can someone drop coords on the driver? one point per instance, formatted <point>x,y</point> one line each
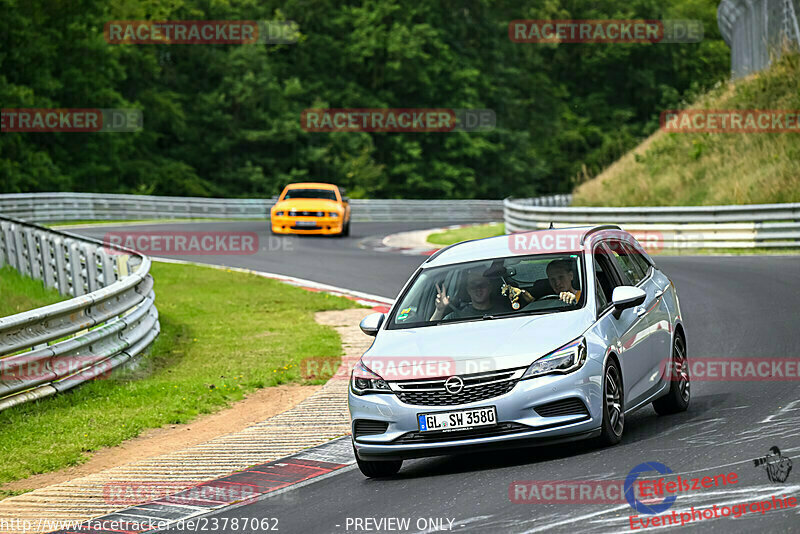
<point>560,275</point>
<point>479,290</point>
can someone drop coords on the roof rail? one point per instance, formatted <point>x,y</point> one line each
<point>438,252</point>
<point>599,228</point>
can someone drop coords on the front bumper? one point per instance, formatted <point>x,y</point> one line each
<point>515,410</point>
<point>322,225</point>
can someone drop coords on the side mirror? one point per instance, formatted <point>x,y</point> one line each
<point>346,199</point>
<point>372,323</point>
<point>625,297</point>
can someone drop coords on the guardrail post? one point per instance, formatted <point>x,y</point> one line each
<point>75,269</point>
<point>92,275</point>
<point>48,248</point>
<point>19,253</point>
<point>62,265</point>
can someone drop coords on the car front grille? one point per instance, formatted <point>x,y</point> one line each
<point>368,427</point>
<point>477,387</point>
<point>437,436</point>
<point>307,213</point>
<point>558,408</point>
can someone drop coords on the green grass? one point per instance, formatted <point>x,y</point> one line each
<point>19,293</point>
<point>673,169</point>
<point>223,334</point>
<point>468,232</point>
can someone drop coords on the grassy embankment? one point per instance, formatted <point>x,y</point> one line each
<point>672,169</point>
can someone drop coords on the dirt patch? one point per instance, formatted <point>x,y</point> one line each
<point>258,406</point>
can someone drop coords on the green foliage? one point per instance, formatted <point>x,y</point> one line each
<point>224,120</point>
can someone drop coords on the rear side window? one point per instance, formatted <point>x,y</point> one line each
<point>631,271</point>
<point>638,258</point>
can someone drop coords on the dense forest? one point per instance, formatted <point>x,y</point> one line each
<point>224,120</point>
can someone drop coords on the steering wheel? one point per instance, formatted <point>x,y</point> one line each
<point>548,297</point>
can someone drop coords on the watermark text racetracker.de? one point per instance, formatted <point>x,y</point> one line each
<point>396,367</point>
<point>605,31</point>
<point>734,369</point>
<point>652,241</point>
<point>397,120</point>
<point>610,491</point>
<point>193,243</point>
<point>33,367</point>
<point>87,120</point>
<point>201,32</point>
<point>128,493</point>
<point>731,121</point>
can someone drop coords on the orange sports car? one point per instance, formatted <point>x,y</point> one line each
<point>311,208</point>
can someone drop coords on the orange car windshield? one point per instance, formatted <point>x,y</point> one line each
<point>325,194</point>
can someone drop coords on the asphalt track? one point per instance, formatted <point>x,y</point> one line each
<point>739,306</point>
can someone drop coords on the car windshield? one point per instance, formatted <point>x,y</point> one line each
<point>492,289</point>
<point>325,194</point>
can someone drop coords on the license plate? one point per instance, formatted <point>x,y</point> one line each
<point>459,420</point>
<point>305,223</point>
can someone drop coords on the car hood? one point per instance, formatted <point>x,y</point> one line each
<point>308,204</point>
<point>475,346</point>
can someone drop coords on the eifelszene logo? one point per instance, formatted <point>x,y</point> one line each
<point>777,466</point>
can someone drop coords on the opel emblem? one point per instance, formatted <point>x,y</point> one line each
<point>454,384</point>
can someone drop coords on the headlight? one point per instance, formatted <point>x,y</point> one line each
<point>320,213</point>
<point>279,213</point>
<point>362,381</point>
<point>333,214</point>
<point>567,359</point>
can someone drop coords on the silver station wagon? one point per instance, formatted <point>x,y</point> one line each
<point>526,339</point>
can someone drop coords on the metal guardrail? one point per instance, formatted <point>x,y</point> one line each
<point>756,30</point>
<point>740,226</point>
<point>50,207</point>
<point>110,319</point>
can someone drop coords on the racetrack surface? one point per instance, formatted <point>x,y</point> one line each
<point>350,262</point>
<point>739,306</point>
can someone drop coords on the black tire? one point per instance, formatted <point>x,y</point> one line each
<point>613,406</point>
<point>677,400</point>
<point>378,469</point>
<point>346,229</point>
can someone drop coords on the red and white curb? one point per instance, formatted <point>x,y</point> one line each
<point>184,508</point>
<point>416,242</point>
